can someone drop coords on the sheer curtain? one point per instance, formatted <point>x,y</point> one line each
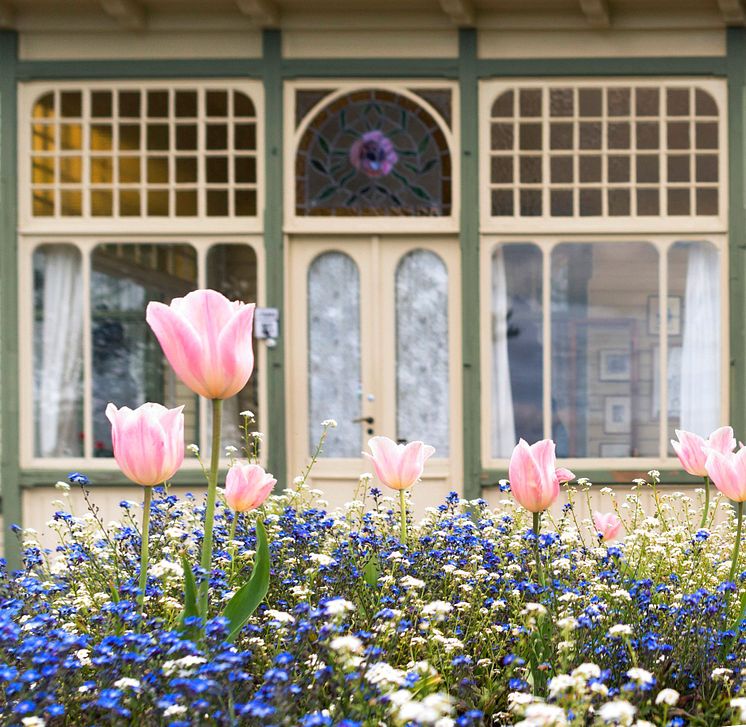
<point>503,420</point>
<point>59,391</point>
<point>700,356</point>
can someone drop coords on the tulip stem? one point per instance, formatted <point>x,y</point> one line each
<point>707,502</point>
<point>737,544</point>
<point>144,550</point>
<point>212,486</point>
<point>403,514</point>
<point>537,554</point>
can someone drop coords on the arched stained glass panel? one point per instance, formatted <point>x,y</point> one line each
<point>373,153</point>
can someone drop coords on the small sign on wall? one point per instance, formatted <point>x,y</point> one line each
<point>267,323</point>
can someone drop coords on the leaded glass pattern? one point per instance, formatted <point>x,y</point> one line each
<point>373,152</point>
<point>422,377</point>
<point>612,150</point>
<point>334,360</point>
<point>128,152</point>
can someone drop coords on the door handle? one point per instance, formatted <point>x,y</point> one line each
<point>367,420</point>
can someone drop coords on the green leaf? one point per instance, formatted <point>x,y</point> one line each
<point>327,192</point>
<point>322,143</point>
<point>370,572</point>
<point>316,164</point>
<point>246,600</point>
<point>190,594</point>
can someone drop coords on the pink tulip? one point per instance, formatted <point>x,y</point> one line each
<point>728,473</point>
<point>207,341</point>
<point>534,480</point>
<point>398,466</point>
<point>607,525</point>
<point>247,486</point>
<point>148,442</point>
<point>691,448</point>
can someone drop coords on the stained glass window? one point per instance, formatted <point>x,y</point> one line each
<point>373,152</point>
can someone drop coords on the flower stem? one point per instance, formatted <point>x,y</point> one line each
<point>737,544</point>
<point>403,514</point>
<point>212,485</point>
<point>231,538</point>
<point>707,503</point>
<point>144,551</point>
<point>537,555</point>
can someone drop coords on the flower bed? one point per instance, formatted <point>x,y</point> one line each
<point>241,609</point>
<point>443,629</point>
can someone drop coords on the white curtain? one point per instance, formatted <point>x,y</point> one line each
<point>700,356</point>
<point>503,422</point>
<point>61,354</point>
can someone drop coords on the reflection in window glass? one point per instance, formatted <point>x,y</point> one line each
<point>516,347</point>
<point>694,353</point>
<point>128,365</point>
<point>58,352</point>
<point>604,339</point>
<point>422,350</point>
<point>334,376</point>
<point>232,270</point>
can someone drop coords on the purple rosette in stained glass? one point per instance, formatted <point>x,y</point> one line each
<point>373,154</point>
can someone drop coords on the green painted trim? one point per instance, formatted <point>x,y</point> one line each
<point>736,49</point>
<point>136,69</point>
<point>656,66</point>
<point>371,67</point>
<point>470,261</point>
<point>275,253</point>
<point>9,465</point>
<point>600,477</point>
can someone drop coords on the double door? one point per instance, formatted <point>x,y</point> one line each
<point>374,344</point>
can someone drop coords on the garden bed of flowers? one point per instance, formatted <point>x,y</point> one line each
<point>240,608</point>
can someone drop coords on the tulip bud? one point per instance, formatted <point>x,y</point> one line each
<point>534,479</point>
<point>148,442</point>
<point>691,449</point>
<point>607,525</point>
<point>247,486</point>
<point>207,340</point>
<point>398,466</point>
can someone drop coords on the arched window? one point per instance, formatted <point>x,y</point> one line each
<point>374,152</point>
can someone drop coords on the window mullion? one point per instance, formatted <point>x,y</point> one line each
<point>546,300</point>
<point>663,347</point>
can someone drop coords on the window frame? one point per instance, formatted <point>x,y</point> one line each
<point>29,92</point>
<point>86,245</point>
<point>294,224</point>
<point>490,89</point>
<point>546,243</point>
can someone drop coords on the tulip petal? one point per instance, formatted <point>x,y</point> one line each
<point>181,345</point>
<point>235,354</point>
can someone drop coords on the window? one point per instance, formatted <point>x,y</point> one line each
<point>603,266</point>
<point>111,168</point>
<point>140,151</point>
<point>582,360</point>
<point>91,344</point>
<point>644,153</point>
<point>360,151</point>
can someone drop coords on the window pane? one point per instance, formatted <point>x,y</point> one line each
<point>603,349</point>
<point>334,383</point>
<point>517,386</point>
<point>58,352</point>
<point>232,270</point>
<point>422,410</point>
<point>694,338</point>
<point>128,365</point>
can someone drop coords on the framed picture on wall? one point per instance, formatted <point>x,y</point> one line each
<point>674,315</point>
<point>617,414</point>
<point>615,364</point>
